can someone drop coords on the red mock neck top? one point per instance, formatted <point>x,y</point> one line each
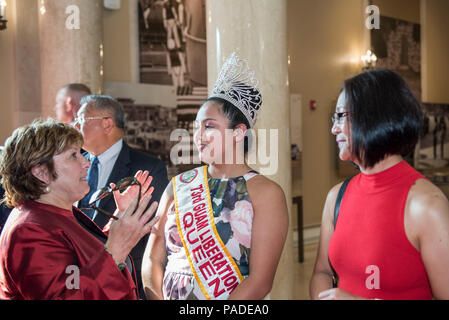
<point>369,249</point>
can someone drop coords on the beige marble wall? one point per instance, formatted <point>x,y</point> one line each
<point>7,74</point>
<point>27,66</point>
<point>407,10</point>
<point>435,51</point>
<point>70,55</point>
<point>121,43</point>
<point>257,31</point>
<point>326,40</point>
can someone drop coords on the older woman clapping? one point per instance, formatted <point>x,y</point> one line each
<point>50,249</point>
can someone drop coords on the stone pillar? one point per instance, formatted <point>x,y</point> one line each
<point>71,33</point>
<point>27,65</point>
<point>257,31</point>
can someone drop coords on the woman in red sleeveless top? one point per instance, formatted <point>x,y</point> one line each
<point>391,240</point>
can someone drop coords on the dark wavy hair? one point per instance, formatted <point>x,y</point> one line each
<point>386,117</point>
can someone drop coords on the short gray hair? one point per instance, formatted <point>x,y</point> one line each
<point>108,104</point>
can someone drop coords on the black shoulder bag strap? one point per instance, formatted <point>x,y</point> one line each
<point>340,195</point>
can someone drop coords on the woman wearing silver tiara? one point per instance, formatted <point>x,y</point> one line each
<point>223,226</point>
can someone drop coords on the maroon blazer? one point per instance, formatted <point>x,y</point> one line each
<point>43,249</point>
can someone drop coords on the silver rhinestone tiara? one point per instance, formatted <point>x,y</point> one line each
<point>236,84</point>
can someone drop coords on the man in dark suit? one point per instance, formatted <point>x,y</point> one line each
<point>101,120</point>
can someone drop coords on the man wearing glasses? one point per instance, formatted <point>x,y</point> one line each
<point>101,120</point>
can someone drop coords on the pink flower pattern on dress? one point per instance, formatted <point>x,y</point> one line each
<point>241,220</point>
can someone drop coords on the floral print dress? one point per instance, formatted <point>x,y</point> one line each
<point>233,216</point>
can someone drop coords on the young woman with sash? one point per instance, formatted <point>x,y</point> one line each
<point>223,225</point>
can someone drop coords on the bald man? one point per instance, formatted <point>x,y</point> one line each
<point>68,101</point>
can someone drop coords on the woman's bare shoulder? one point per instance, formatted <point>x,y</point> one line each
<point>169,190</point>
<point>333,192</point>
<point>425,193</point>
<point>264,188</point>
<point>167,197</point>
<point>329,205</point>
<point>426,202</point>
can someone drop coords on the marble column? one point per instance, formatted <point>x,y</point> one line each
<point>27,66</point>
<point>71,33</point>
<point>257,31</point>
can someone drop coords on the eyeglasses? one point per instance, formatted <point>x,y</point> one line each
<point>106,191</point>
<point>82,120</point>
<point>338,117</point>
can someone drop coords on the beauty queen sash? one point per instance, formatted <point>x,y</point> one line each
<point>213,267</point>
